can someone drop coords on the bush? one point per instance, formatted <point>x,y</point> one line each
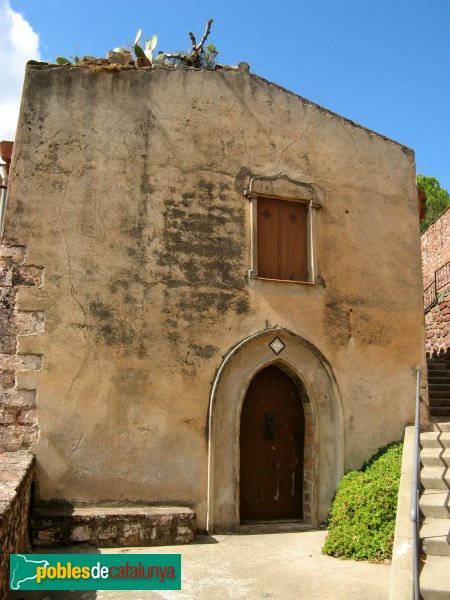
<point>362,518</point>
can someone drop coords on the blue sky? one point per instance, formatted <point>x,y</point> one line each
<point>384,64</point>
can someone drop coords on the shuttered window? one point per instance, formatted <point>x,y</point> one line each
<point>282,239</point>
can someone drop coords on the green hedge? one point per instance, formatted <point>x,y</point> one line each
<point>362,518</point>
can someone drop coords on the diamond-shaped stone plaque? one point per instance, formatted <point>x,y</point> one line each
<point>277,345</point>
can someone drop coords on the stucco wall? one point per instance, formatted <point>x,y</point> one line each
<point>127,188</point>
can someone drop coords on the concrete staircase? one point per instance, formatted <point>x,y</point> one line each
<point>435,506</point>
<point>439,387</point>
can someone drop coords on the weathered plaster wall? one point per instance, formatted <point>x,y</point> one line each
<point>127,187</point>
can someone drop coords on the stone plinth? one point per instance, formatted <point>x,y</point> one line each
<point>113,526</point>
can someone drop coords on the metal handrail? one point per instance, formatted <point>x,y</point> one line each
<point>429,296</point>
<point>442,276</point>
<point>440,280</point>
<point>415,491</point>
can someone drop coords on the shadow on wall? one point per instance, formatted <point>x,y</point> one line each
<point>442,355</point>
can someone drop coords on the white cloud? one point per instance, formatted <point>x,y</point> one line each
<point>18,44</point>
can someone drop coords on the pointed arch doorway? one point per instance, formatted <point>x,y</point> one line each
<point>272,432</point>
<point>323,464</point>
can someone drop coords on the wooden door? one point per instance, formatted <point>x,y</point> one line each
<point>271,449</point>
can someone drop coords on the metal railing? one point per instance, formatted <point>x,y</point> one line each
<point>441,280</point>
<point>415,492</point>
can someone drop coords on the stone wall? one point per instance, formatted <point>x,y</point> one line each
<point>16,476</point>
<point>437,329</point>
<point>18,366</point>
<point>435,241</point>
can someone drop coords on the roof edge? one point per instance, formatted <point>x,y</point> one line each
<point>406,149</point>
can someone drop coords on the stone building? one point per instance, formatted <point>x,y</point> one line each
<point>212,291</point>
<point>435,242</point>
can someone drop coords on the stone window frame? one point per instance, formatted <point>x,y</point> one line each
<point>283,187</point>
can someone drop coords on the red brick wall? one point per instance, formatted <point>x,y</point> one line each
<point>435,246</point>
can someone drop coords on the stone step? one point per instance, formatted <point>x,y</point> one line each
<point>438,372</point>
<point>439,394</point>
<point>433,367</point>
<point>435,536</point>
<point>113,526</point>
<point>439,387</point>
<point>435,402</point>
<point>435,478</point>
<point>436,375</point>
<point>442,424</point>
<point>439,398</point>
<point>440,411</point>
<point>438,379</point>
<point>445,396</point>
<point>435,439</point>
<point>439,403</point>
<point>435,578</point>
<point>435,457</point>
<point>436,362</point>
<point>435,504</point>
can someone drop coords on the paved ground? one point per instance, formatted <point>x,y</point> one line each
<point>281,566</point>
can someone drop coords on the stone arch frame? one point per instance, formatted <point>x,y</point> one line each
<point>304,363</point>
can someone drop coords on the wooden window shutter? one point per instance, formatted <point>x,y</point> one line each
<point>292,244</point>
<point>282,241</point>
<point>267,235</point>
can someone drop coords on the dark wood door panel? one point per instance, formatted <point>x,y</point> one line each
<point>271,449</point>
